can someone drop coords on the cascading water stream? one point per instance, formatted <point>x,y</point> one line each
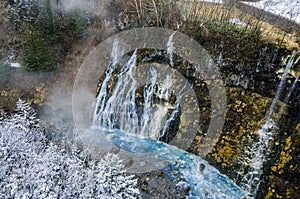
<point>117,51</point>
<point>171,118</point>
<point>290,91</point>
<point>260,150</point>
<point>148,100</point>
<point>170,49</point>
<point>281,86</point>
<point>119,109</point>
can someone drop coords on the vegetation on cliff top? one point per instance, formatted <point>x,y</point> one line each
<point>47,33</point>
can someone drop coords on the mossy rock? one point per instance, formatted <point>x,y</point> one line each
<point>245,114</point>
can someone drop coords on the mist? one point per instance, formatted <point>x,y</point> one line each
<point>70,5</point>
<point>58,111</point>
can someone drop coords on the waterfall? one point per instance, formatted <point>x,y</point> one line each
<point>260,150</point>
<point>148,101</point>
<point>171,118</point>
<point>281,86</point>
<point>170,49</point>
<point>135,108</point>
<point>118,108</point>
<point>117,50</point>
<point>290,91</point>
<point>173,115</point>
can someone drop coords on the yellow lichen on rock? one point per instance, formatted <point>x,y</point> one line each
<point>225,154</point>
<point>270,193</point>
<point>274,168</point>
<point>284,158</point>
<point>298,128</point>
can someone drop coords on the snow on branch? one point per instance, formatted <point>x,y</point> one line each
<point>33,167</point>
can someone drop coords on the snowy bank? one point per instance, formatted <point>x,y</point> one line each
<point>285,8</point>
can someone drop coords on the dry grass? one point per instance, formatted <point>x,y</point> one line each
<point>170,13</point>
<point>197,11</point>
<point>160,13</point>
<point>272,34</point>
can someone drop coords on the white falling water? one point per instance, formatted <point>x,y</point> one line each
<point>220,58</point>
<point>160,109</point>
<point>148,102</point>
<point>281,85</point>
<point>171,118</point>
<point>260,151</point>
<point>170,49</point>
<point>118,109</point>
<point>290,91</point>
<point>117,51</point>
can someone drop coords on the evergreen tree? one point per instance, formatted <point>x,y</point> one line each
<point>37,52</point>
<point>24,112</point>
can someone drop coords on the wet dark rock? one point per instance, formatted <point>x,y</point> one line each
<point>157,185</point>
<point>201,167</point>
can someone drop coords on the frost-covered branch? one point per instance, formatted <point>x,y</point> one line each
<point>33,167</point>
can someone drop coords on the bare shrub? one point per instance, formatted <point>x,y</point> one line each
<point>159,13</point>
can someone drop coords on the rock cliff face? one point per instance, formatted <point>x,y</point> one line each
<point>246,113</point>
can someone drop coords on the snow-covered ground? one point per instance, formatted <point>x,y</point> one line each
<point>289,9</point>
<point>213,1</point>
<point>15,65</point>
